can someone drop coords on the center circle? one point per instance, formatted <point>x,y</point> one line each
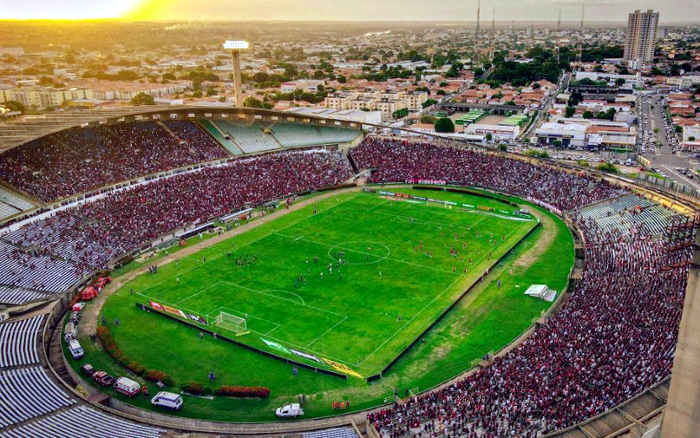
<point>360,252</point>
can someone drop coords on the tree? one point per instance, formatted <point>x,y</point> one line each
<point>444,124</point>
<point>252,102</point>
<point>503,147</point>
<point>587,115</point>
<point>13,105</point>
<point>143,99</point>
<point>570,110</point>
<point>557,143</point>
<point>427,118</point>
<point>678,129</point>
<point>429,102</point>
<point>489,136</point>
<point>619,82</point>
<point>575,98</point>
<point>607,167</point>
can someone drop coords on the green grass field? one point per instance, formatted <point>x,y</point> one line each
<point>403,264</point>
<point>354,283</point>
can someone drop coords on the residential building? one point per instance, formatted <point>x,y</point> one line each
<point>640,38</point>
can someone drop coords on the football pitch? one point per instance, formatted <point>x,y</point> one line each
<point>346,284</point>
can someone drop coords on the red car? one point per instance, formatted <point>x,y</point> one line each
<point>103,378</point>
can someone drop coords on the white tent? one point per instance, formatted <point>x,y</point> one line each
<point>541,291</point>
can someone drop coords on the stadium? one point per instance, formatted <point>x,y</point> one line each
<point>287,275</point>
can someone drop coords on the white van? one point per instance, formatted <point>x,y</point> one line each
<point>75,349</point>
<point>69,332</point>
<point>291,410</point>
<point>127,386</point>
<point>168,400</point>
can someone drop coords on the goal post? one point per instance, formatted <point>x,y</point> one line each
<point>230,322</point>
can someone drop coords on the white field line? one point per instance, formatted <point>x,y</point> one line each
<point>263,292</point>
<point>217,254</point>
<point>196,293</point>
<point>410,320</point>
<point>240,314</point>
<point>397,260</point>
<point>429,303</point>
<point>327,330</point>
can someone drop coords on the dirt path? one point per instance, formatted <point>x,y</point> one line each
<point>541,245</point>
<point>88,324</point>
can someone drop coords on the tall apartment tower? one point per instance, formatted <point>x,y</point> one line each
<point>641,35</point>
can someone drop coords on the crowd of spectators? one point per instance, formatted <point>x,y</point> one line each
<point>614,337</point>
<point>78,160</point>
<point>95,233</point>
<point>395,160</point>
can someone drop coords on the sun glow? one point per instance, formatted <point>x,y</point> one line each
<point>66,9</point>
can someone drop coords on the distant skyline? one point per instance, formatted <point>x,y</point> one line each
<point>357,10</point>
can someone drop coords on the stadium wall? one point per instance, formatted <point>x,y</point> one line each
<point>682,415</point>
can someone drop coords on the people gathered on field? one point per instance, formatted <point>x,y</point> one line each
<point>94,233</point>
<point>612,338</point>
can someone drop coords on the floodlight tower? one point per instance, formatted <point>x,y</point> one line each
<point>235,47</point>
<point>478,16</point>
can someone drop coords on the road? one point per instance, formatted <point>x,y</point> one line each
<point>664,159</point>
<point>544,107</point>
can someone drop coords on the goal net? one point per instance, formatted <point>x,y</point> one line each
<point>231,322</point>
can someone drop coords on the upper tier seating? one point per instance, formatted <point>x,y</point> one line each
<point>18,341</point>
<point>249,137</point>
<point>82,422</point>
<point>78,160</point>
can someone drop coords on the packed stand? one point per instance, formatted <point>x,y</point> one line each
<point>78,160</point>
<point>402,161</point>
<point>613,338</point>
<point>91,235</point>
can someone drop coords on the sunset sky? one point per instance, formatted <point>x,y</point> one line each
<point>389,10</point>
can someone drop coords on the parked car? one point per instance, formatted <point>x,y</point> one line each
<point>167,400</point>
<point>127,386</point>
<point>291,410</point>
<point>103,378</point>
<point>76,350</point>
<point>87,369</point>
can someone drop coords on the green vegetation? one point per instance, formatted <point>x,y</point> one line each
<point>444,124</point>
<point>143,99</point>
<point>385,311</point>
<point>252,102</point>
<point>607,167</point>
<point>544,65</point>
<point>400,114</point>
<point>537,153</point>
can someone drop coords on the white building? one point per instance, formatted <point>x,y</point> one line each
<point>691,137</point>
<point>498,132</point>
<point>569,134</point>
<point>306,85</point>
<point>640,37</point>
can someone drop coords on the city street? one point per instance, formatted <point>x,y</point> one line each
<point>664,159</point>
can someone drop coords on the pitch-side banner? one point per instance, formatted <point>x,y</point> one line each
<point>432,182</point>
<point>305,355</point>
<point>276,346</point>
<point>342,368</point>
